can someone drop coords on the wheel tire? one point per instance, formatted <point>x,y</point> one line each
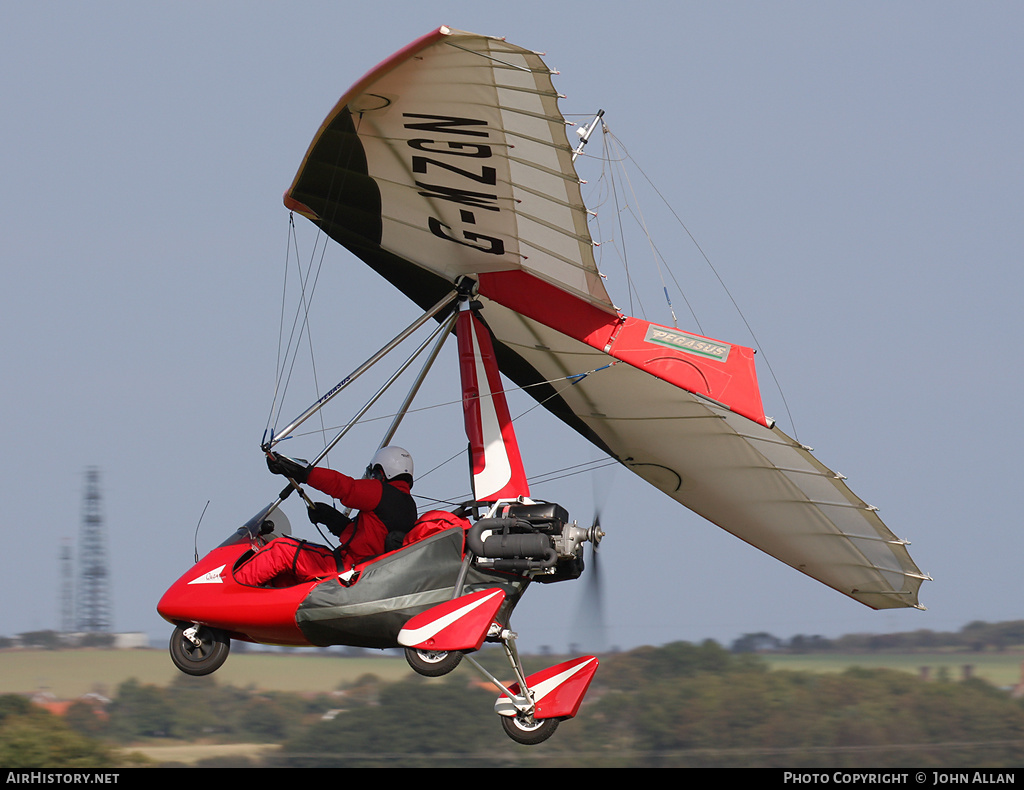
<point>202,659</point>
<point>528,730</point>
<point>432,663</point>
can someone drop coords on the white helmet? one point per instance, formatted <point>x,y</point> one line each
<point>393,461</point>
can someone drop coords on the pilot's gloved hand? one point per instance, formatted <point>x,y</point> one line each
<point>291,468</point>
<point>322,513</point>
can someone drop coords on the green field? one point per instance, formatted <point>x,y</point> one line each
<point>999,669</point>
<point>68,674</point>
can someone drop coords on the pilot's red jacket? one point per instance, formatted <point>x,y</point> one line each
<point>383,507</point>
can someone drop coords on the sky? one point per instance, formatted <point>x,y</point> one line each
<point>853,172</point>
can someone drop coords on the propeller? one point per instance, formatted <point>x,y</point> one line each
<point>589,630</point>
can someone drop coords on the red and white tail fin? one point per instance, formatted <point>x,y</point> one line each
<point>497,465</point>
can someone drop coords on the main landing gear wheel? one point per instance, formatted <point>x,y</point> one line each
<point>432,663</point>
<point>198,650</point>
<point>528,730</point>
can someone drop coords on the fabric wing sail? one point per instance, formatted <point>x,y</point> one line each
<point>451,159</point>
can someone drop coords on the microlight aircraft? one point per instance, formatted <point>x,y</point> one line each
<point>447,170</point>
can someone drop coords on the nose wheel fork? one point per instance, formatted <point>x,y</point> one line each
<point>199,650</point>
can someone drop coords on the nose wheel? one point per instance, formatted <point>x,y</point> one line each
<point>198,650</point>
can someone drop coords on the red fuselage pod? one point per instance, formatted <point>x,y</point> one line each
<point>209,595</point>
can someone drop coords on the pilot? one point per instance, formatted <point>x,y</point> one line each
<point>385,508</point>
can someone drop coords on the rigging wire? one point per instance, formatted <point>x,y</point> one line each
<point>643,225</point>
<point>608,158</point>
<point>280,328</point>
<point>621,158</point>
<point>537,480</point>
<point>340,167</point>
<point>572,378</point>
<point>300,322</point>
<point>630,289</point>
<point>543,478</point>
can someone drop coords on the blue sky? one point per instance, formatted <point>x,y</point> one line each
<point>853,171</point>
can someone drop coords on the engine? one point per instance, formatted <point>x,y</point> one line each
<point>533,538</point>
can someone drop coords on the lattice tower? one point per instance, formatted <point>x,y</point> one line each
<point>93,597</point>
<point>67,587</point>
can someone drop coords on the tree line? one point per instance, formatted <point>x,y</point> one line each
<point>680,705</point>
<point>977,636</point>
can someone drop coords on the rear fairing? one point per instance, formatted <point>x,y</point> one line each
<point>390,590</point>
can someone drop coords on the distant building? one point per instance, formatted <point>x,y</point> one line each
<point>131,640</point>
